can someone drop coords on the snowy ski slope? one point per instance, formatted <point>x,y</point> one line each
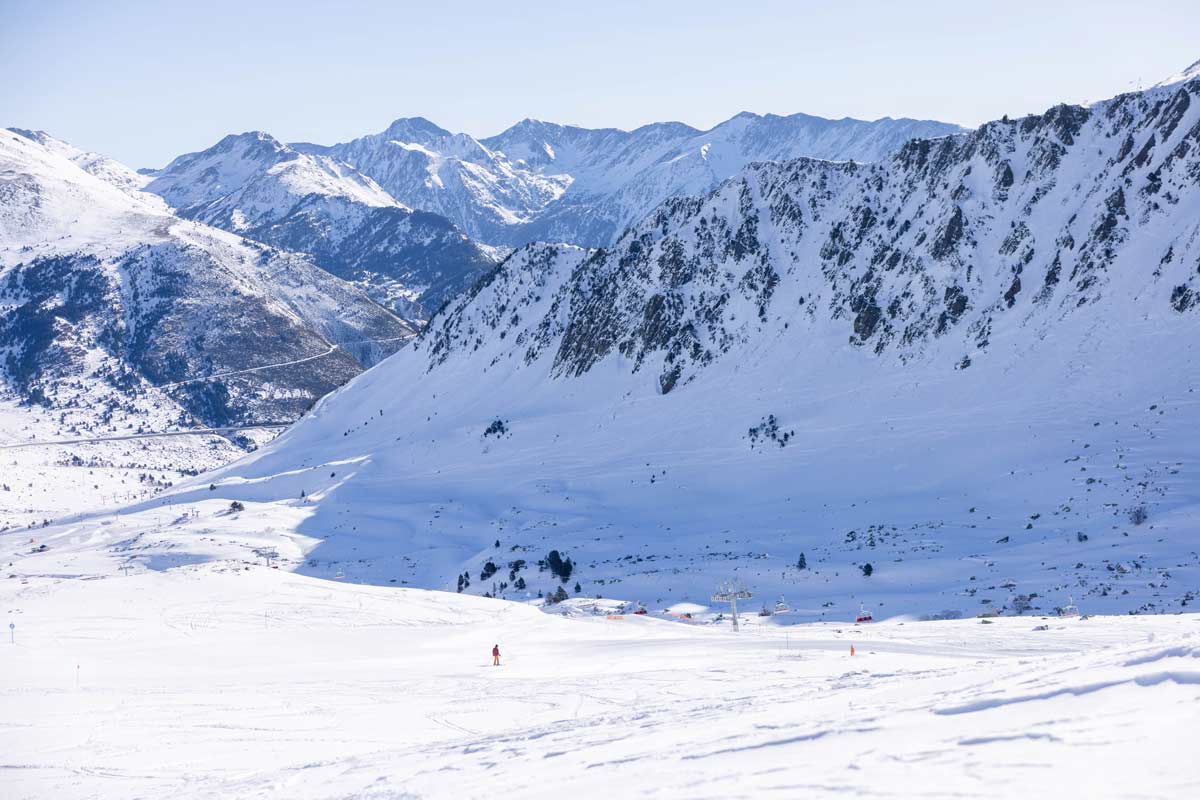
<point>212,682</point>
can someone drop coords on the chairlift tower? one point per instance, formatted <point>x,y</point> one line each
<point>728,593</point>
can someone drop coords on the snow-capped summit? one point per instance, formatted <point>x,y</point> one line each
<point>452,174</point>
<point>249,179</point>
<point>304,201</point>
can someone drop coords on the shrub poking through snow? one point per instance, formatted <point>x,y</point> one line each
<point>768,431</point>
<point>498,428</point>
<point>236,506</point>
<point>867,569</point>
<point>1138,515</point>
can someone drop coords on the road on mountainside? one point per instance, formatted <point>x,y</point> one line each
<point>332,348</point>
<point>251,369</point>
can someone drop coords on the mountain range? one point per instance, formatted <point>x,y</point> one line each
<point>307,241</point>
<point>957,381</point>
<point>351,206</point>
<point>541,181</point>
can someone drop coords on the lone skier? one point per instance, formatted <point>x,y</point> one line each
<point>495,655</point>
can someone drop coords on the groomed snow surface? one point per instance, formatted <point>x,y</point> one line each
<point>220,680</point>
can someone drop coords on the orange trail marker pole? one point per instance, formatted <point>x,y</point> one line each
<point>851,649</point>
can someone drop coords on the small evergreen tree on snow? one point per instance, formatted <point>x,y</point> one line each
<point>867,569</point>
<point>559,566</point>
<point>578,589</point>
<point>802,562</point>
<point>519,585</point>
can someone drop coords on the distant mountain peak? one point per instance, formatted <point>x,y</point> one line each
<point>407,126</point>
<point>252,139</point>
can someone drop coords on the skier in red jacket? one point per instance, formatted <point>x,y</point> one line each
<point>495,655</point>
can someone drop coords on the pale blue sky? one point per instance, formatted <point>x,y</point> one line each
<point>145,81</point>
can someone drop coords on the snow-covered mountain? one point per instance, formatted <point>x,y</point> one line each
<point>105,168</point>
<point>452,174</point>
<point>109,304</point>
<point>960,380</point>
<point>255,186</point>
<point>619,177</point>
<point>549,182</point>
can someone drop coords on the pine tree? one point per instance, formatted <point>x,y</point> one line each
<point>867,569</point>
<point>559,566</point>
<point>802,562</point>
